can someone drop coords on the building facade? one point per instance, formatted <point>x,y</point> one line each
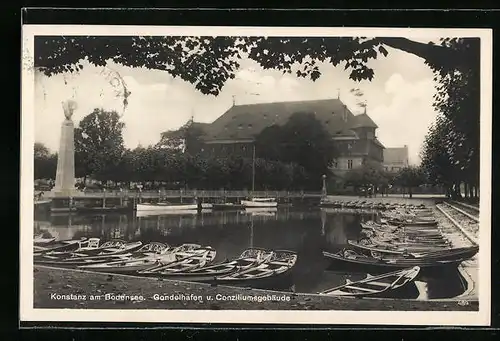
<point>354,135</point>
<point>396,159</point>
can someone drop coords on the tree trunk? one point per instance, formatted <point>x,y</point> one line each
<point>466,190</point>
<point>471,191</point>
<point>410,193</point>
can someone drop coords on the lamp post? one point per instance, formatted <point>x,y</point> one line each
<point>324,186</point>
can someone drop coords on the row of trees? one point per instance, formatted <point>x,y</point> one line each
<point>372,175</point>
<point>292,156</point>
<point>450,155</point>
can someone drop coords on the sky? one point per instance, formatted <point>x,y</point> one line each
<point>399,98</point>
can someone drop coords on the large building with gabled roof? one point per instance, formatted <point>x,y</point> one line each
<point>354,135</point>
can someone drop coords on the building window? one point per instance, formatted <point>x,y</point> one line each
<point>349,164</point>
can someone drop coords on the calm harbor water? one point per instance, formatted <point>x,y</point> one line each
<point>307,232</point>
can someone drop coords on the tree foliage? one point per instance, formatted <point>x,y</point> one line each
<point>99,145</point>
<point>409,178</point>
<point>45,162</point>
<point>370,174</point>
<point>450,154</point>
<point>209,62</point>
<point>301,140</point>
<point>187,138</point>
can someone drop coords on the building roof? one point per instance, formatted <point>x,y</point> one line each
<point>396,155</point>
<point>247,121</point>
<point>362,121</point>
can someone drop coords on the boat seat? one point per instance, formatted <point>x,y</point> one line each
<point>359,288</point>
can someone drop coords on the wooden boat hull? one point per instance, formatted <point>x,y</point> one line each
<point>385,285</point>
<point>127,266</point>
<point>439,254</point>
<point>277,274</point>
<point>43,241</point>
<point>179,207</point>
<point>193,260</point>
<point>146,256</point>
<point>369,264</point>
<point>61,246</point>
<point>413,223</point>
<point>98,255</point>
<point>227,207</point>
<point>250,203</point>
<point>102,209</point>
<point>280,281</point>
<point>249,258</point>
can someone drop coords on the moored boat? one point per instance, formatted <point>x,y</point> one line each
<point>435,254</point>
<point>165,206</point>
<point>226,206</point>
<point>145,256</point>
<point>41,240</point>
<point>274,273</point>
<point>402,246</point>
<point>249,258</point>
<point>375,285</point>
<point>410,222</point>
<point>141,214</point>
<point>347,256</point>
<point>101,253</point>
<point>260,202</point>
<point>184,261</point>
<point>64,245</point>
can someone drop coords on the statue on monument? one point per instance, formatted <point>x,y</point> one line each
<point>69,106</point>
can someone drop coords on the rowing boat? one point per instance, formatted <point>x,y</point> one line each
<point>249,258</point>
<point>65,246</point>
<point>190,260</point>
<point>108,251</point>
<point>347,256</point>
<point>145,257</point>
<point>274,273</point>
<point>226,206</point>
<point>375,285</point>
<point>260,202</point>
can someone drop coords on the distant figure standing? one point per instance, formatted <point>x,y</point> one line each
<point>198,203</point>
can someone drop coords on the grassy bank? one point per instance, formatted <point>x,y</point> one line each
<point>65,288</point>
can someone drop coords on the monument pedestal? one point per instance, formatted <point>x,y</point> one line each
<point>65,174</point>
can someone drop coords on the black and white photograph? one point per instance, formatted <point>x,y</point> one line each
<point>197,174</point>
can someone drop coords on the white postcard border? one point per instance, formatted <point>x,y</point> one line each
<point>430,318</point>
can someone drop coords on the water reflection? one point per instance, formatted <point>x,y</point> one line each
<point>307,232</point>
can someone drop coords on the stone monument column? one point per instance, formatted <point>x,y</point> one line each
<point>65,174</point>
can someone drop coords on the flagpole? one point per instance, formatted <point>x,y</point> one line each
<point>253,170</point>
